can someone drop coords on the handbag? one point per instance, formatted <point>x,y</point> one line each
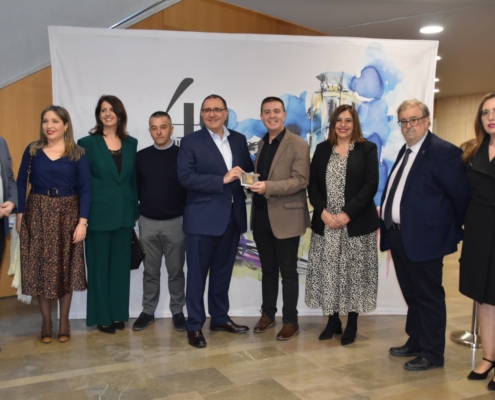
<point>137,251</point>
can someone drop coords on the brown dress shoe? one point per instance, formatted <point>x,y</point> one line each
<point>196,339</point>
<point>288,331</point>
<point>264,324</point>
<point>230,326</point>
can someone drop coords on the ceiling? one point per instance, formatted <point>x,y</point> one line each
<point>467,44</point>
<point>24,45</point>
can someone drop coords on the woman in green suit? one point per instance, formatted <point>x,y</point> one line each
<point>114,208</point>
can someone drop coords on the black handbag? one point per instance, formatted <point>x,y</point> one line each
<point>137,251</point>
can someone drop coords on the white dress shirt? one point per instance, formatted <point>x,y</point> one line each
<point>224,146</point>
<point>400,188</point>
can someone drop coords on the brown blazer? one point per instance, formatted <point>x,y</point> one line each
<point>286,187</point>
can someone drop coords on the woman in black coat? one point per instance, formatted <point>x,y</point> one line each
<point>477,264</point>
<point>342,275</point>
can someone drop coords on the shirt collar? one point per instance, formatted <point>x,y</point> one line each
<point>278,138</point>
<point>164,148</point>
<point>415,147</point>
<point>226,133</point>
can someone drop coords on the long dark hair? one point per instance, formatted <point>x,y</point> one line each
<point>357,133</point>
<point>118,109</point>
<point>472,146</point>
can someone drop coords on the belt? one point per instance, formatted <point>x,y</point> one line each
<point>54,192</point>
<point>395,227</point>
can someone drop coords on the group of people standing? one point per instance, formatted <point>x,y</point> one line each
<point>190,203</point>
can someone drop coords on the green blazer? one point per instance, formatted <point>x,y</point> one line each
<point>114,202</point>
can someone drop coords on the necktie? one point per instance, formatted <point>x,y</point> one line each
<point>388,207</point>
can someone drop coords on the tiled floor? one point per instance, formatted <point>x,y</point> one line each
<point>158,363</point>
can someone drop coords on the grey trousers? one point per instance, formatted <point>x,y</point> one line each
<point>163,238</point>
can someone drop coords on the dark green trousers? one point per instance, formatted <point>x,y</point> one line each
<point>108,259</point>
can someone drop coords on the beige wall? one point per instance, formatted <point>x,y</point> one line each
<point>454,117</point>
<point>22,102</point>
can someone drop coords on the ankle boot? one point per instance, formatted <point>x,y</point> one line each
<point>350,330</point>
<point>334,326</point>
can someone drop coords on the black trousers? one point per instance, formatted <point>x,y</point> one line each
<point>277,255</point>
<point>421,286</point>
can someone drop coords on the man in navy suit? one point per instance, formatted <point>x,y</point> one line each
<point>422,213</point>
<point>210,164</point>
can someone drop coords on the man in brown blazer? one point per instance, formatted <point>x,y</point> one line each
<point>279,215</point>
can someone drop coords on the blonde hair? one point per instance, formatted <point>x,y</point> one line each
<point>72,150</point>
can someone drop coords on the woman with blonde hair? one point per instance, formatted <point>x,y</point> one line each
<point>53,220</point>
<point>477,263</point>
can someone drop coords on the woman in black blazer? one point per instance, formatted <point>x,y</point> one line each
<point>477,269</point>
<point>342,276</point>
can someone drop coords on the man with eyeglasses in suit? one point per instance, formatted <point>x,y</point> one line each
<point>422,213</point>
<point>210,165</point>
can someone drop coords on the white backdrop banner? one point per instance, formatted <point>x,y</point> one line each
<point>175,71</point>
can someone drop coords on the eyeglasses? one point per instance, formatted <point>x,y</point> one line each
<point>413,122</point>
<point>485,114</point>
<point>212,110</point>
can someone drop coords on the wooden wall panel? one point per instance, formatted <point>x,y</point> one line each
<point>20,107</point>
<point>454,117</point>
<point>22,102</point>
<point>217,16</point>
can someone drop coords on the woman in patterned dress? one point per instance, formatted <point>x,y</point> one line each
<point>53,220</point>
<point>342,275</point>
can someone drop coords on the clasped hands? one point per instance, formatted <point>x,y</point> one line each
<point>6,209</point>
<point>335,221</point>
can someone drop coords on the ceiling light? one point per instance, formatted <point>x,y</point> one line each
<point>439,58</point>
<point>436,79</point>
<point>431,29</point>
<point>436,90</point>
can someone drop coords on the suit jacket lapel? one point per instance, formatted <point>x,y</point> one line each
<point>420,157</point>
<point>208,141</point>
<point>235,154</point>
<point>481,160</point>
<point>105,153</point>
<point>126,155</point>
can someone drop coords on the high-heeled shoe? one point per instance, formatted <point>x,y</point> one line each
<point>46,339</point>
<point>334,326</point>
<point>118,325</point>
<point>475,376</point>
<point>350,330</point>
<point>107,329</point>
<point>64,337</point>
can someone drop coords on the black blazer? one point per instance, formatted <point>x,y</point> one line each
<point>361,184</point>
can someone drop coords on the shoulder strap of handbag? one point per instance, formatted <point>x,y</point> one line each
<point>28,175</point>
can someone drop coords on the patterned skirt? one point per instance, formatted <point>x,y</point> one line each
<point>52,266</point>
<point>342,274</point>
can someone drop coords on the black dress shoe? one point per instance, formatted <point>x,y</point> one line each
<point>143,322</point>
<point>420,364</point>
<point>403,351</point>
<point>179,322</point>
<point>196,339</point>
<point>230,326</point>
<point>118,325</point>
<point>107,329</point>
